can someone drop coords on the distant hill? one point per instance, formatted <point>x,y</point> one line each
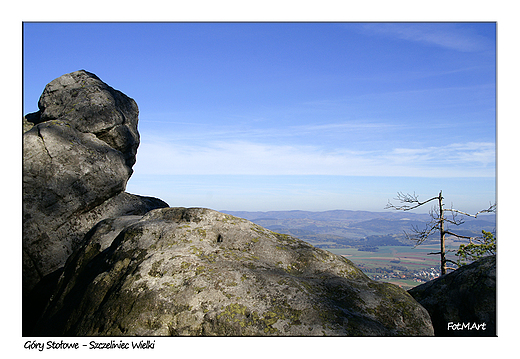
<point>339,215</point>
<point>347,228</point>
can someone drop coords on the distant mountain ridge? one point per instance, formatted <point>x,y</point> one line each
<point>345,228</point>
<point>338,214</point>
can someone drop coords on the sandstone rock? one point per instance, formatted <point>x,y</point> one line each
<point>86,103</point>
<point>467,295</point>
<point>78,153</point>
<point>178,271</point>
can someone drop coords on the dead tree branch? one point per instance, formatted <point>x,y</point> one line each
<point>407,198</point>
<point>491,209</point>
<point>458,235</point>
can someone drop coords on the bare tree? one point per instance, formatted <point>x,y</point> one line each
<point>438,223</point>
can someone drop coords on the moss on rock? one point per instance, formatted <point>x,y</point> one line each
<point>158,278</point>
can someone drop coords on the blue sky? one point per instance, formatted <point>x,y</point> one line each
<point>286,116</point>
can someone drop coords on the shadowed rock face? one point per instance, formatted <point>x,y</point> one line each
<point>178,271</point>
<point>467,295</point>
<point>78,153</point>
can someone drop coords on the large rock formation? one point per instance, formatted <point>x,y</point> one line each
<point>100,261</point>
<point>78,153</point>
<point>178,271</point>
<point>463,302</point>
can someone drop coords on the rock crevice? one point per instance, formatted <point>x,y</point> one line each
<point>68,171</point>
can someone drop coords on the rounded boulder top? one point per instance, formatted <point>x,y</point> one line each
<point>83,101</point>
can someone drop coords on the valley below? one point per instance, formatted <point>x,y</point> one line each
<point>374,241</point>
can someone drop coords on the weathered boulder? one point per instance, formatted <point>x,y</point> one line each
<point>179,271</point>
<point>463,302</point>
<point>86,103</point>
<point>78,153</point>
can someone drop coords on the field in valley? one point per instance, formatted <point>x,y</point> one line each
<point>398,260</point>
<point>386,256</point>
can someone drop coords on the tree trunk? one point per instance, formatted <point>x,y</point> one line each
<point>441,230</point>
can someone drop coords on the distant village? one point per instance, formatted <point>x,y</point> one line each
<point>399,272</point>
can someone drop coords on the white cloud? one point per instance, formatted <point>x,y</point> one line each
<point>467,154</point>
<point>249,158</point>
<point>447,35</point>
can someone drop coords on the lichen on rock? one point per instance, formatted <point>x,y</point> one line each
<point>167,274</point>
<point>78,153</point>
